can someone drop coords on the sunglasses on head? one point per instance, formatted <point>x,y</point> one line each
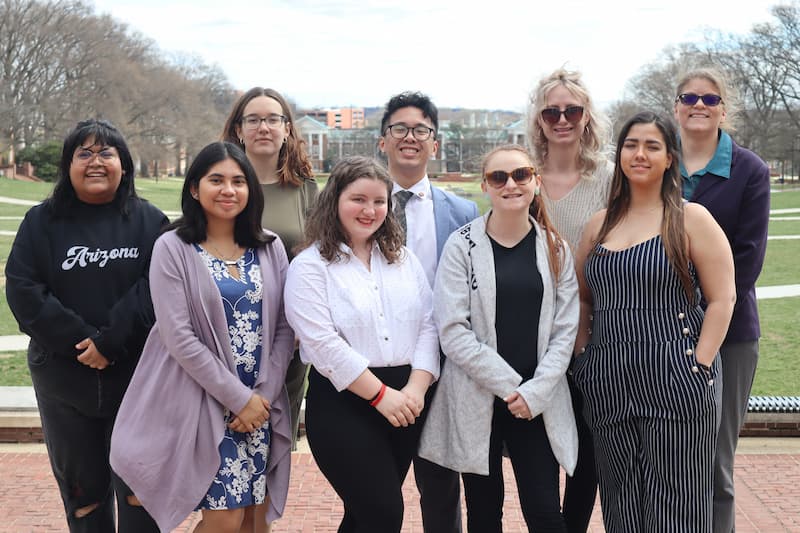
<point>710,100</point>
<point>521,175</point>
<point>552,115</point>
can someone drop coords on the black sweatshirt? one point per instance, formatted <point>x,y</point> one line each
<point>78,276</point>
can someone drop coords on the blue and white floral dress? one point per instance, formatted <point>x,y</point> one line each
<point>241,480</point>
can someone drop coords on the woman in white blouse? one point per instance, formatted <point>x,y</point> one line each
<point>361,306</point>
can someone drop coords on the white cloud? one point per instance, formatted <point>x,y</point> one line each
<point>487,55</point>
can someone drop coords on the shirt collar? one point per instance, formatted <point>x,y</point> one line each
<point>720,163</point>
<point>421,189</point>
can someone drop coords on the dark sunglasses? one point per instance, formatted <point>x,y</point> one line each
<point>710,100</point>
<point>552,115</point>
<point>521,175</point>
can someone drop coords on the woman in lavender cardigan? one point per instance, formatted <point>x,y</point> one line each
<point>205,423</point>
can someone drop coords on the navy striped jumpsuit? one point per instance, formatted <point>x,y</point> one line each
<point>649,404</point>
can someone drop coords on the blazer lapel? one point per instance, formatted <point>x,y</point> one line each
<point>441,218</point>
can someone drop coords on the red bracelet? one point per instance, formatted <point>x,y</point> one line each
<point>379,396</point>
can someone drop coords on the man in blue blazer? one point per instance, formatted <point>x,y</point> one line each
<point>409,140</point>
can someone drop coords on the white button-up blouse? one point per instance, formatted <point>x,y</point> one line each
<point>349,318</point>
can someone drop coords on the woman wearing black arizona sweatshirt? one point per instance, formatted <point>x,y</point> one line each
<point>76,281</point>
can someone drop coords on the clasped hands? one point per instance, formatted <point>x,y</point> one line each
<point>253,416</point>
<point>402,407</point>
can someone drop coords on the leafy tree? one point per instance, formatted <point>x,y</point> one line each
<point>44,158</point>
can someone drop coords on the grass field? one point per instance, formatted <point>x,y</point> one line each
<point>779,367</point>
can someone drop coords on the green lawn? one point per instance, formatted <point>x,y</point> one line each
<point>781,265</point>
<point>784,198</point>
<point>784,227</point>
<point>778,371</point>
<point>14,370</point>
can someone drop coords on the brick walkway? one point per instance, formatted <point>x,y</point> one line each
<point>768,492</point>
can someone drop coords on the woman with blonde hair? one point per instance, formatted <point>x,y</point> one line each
<point>733,184</point>
<point>506,307</point>
<point>567,136</point>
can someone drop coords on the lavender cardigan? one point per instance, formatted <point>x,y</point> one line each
<point>166,436</point>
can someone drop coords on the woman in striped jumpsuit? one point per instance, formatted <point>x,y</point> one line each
<point>648,372</point>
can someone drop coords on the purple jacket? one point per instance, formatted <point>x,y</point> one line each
<point>166,436</point>
<point>740,206</point>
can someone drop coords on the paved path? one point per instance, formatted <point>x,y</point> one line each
<point>767,484</point>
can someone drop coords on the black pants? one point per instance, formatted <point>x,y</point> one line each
<point>363,457</point>
<point>439,489</point>
<point>581,488</point>
<point>78,447</point>
<point>535,469</point>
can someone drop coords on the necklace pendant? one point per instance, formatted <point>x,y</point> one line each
<point>230,263</point>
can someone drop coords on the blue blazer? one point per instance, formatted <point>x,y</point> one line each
<point>450,212</point>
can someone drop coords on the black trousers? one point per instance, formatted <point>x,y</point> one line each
<point>581,488</point>
<point>535,469</point>
<point>78,445</point>
<point>361,454</point>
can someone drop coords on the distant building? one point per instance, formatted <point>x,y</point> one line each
<point>343,118</point>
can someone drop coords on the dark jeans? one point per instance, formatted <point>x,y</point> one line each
<point>78,446</point>
<point>362,455</point>
<point>581,488</point>
<point>535,469</point>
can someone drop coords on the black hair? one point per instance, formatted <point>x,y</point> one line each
<point>191,226</point>
<point>103,133</point>
<point>411,99</point>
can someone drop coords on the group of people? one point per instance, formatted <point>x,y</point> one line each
<point>583,322</point>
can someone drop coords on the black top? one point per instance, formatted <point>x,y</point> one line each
<point>519,303</point>
<point>84,275</point>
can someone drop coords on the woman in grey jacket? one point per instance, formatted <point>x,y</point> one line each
<point>506,307</point>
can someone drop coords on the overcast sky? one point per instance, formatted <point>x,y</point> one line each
<point>463,53</point>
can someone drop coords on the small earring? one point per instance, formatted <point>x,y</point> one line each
<point>241,141</point>
<point>536,191</point>
<point>194,196</point>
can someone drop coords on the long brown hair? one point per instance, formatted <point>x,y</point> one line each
<point>293,163</point>
<point>323,225</point>
<point>673,233</point>
<point>555,244</point>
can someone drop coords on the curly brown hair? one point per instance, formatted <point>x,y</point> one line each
<point>293,162</point>
<point>323,226</point>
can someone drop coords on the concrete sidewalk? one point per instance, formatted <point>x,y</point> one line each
<point>767,481</point>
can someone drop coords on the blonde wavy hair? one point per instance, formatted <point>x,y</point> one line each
<point>591,154</point>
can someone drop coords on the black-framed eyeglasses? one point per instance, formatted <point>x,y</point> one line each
<point>420,132</point>
<point>521,175</point>
<point>711,100</point>
<point>252,122</point>
<point>552,115</point>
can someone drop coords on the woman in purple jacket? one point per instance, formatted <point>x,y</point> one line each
<point>733,184</point>
<point>205,422</point>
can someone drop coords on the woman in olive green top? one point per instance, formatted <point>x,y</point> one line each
<point>262,122</point>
